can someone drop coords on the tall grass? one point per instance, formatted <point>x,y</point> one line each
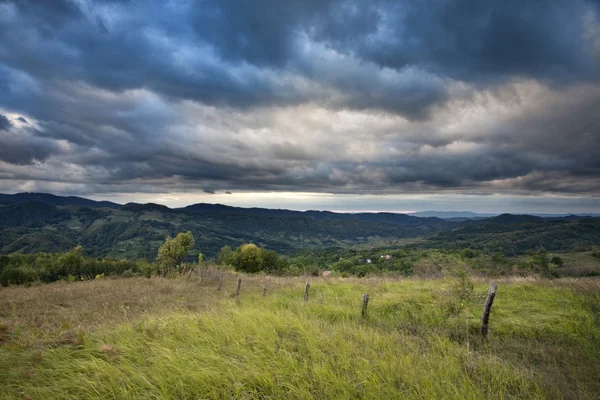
<point>190,341</point>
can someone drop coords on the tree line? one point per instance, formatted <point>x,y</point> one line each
<point>248,257</point>
<point>172,256</point>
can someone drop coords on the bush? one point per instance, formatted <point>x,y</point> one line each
<point>146,269</point>
<point>557,261</point>
<point>248,258</point>
<point>470,253</point>
<point>71,266</point>
<point>461,292</point>
<point>128,274</point>
<point>17,276</point>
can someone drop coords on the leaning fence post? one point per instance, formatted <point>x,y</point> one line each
<point>364,305</point>
<point>239,285</point>
<point>487,308</point>
<point>220,280</point>
<point>264,291</point>
<point>306,291</point>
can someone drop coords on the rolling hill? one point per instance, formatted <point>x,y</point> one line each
<point>31,222</point>
<point>137,230</point>
<point>517,234</point>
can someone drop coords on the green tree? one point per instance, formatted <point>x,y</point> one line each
<point>72,262</point>
<point>4,261</point>
<point>17,276</point>
<point>173,250</point>
<point>226,256</point>
<point>249,258</point>
<point>271,261</point>
<point>556,260</point>
<point>499,258</point>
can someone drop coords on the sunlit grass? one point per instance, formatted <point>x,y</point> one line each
<point>183,340</point>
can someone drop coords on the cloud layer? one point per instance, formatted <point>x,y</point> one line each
<point>337,96</point>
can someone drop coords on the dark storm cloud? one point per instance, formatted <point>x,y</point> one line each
<point>21,147</point>
<point>479,40</point>
<point>339,95</point>
<point>246,53</point>
<point>4,123</point>
<point>462,38</point>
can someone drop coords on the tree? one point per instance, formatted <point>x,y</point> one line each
<point>248,258</point>
<point>271,261</point>
<point>556,260</point>
<point>499,258</point>
<point>72,261</point>
<point>4,261</point>
<point>173,250</point>
<point>226,256</point>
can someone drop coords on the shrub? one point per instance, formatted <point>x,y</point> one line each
<point>226,256</point>
<point>461,292</point>
<point>173,250</point>
<point>128,274</point>
<point>248,258</point>
<point>557,261</point>
<point>17,276</point>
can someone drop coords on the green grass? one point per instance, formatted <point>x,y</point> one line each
<point>580,263</point>
<point>170,339</point>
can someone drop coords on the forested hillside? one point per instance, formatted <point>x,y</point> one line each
<point>136,231</point>
<point>34,222</point>
<point>513,235</point>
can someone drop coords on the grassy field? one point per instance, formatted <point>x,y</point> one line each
<point>175,339</point>
<point>580,263</point>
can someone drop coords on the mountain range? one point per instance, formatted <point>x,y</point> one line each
<point>31,222</point>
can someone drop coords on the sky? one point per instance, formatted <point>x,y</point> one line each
<point>346,105</point>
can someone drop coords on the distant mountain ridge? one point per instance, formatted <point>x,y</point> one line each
<point>31,222</point>
<point>388,218</point>
<point>136,231</point>
<point>474,215</point>
<point>55,200</point>
<point>207,208</point>
<point>452,214</point>
<point>415,218</point>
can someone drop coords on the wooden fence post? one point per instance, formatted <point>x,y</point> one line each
<point>306,291</point>
<point>365,302</point>
<point>239,285</point>
<point>220,280</point>
<point>487,308</point>
<point>264,291</point>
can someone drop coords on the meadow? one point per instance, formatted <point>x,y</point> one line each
<point>177,338</point>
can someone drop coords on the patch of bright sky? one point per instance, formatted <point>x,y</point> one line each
<point>373,203</point>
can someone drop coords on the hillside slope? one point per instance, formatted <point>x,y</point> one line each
<point>32,222</point>
<point>136,231</point>
<point>516,234</point>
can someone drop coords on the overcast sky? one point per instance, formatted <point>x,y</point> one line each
<point>307,104</point>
